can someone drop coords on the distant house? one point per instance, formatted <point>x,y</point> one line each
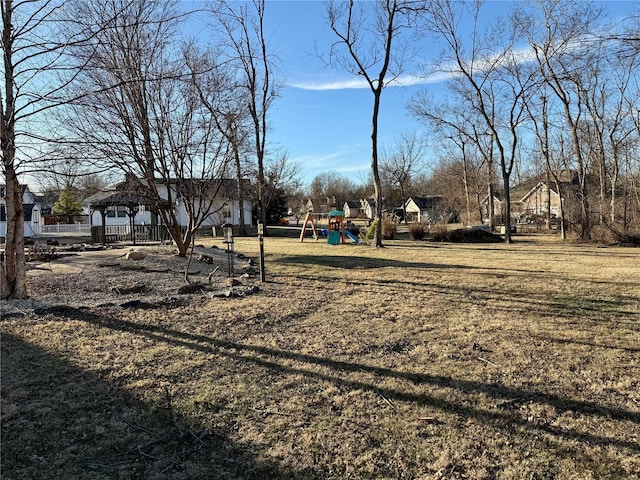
<point>351,209</point>
<point>427,209</point>
<point>32,212</point>
<point>529,198</point>
<point>367,206</point>
<point>308,205</point>
<point>535,201</point>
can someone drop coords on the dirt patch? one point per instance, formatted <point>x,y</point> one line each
<point>93,278</point>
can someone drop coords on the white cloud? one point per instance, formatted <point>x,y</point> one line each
<point>331,85</point>
<point>446,72</point>
<point>317,160</point>
<point>361,83</point>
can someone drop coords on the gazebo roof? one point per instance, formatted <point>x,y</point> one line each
<point>119,199</point>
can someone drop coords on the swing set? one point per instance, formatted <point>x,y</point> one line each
<point>335,233</point>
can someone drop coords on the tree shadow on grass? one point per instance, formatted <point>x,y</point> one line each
<point>595,344</point>
<point>360,262</point>
<point>355,262</point>
<point>569,306</point>
<point>333,371</point>
<point>61,422</point>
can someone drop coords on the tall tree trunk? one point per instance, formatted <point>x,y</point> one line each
<point>506,214</point>
<point>563,232</point>
<point>14,269</point>
<point>490,191</point>
<point>465,179</point>
<point>490,209</point>
<point>614,179</point>
<point>585,218</point>
<point>374,166</point>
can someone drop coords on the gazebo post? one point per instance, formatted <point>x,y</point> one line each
<point>103,233</point>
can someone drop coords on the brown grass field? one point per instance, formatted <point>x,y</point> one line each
<point>416,361</point>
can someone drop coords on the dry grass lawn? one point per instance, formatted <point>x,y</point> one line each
<point>416,361</point>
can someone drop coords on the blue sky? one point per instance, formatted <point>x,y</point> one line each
<point>320,119</point>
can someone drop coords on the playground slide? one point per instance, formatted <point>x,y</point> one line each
<point>351,236</point>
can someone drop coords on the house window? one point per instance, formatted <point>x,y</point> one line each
<point>116,213</point>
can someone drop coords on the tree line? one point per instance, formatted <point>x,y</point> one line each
<point>551,86</point>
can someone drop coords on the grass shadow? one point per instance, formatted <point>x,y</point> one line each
<point>359,262</point>
<point>333,371</point>
<point>570,341</point>
<point>61,422</point>
<point>568,306</point>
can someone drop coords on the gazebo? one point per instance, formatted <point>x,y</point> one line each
<point>131,203</point>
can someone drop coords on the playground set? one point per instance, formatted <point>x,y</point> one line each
<point>335,233</point>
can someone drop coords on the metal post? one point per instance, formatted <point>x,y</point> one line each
<point>228,240</point>
<point>261,239</point>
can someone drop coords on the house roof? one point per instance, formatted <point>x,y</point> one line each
<point>425,203</point>
<point>133,192</point>
<point>352,204</point>
<point>3,189</point>
<point>537,187</point>
<point>118,199</point>
<point>520,191</point>
<point>224,187</point>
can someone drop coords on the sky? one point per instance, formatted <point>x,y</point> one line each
<point>320,119</point>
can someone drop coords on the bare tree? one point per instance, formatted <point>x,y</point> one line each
<point>244,43</point>
<point>378,58</point>
<point>631,154</point>
<point>457,125</point>
<point>329,190</point>
<point>140,110</point>
<point>540,118</point>
<point>564,51</point>
<point>225,100</point>
<point>607,130</point>
<point>402,163</point>
<point>488,76</point>
<point>282,179</point>
<point>468,166</point>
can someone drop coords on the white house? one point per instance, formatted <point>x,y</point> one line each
<point>351,209</point>
<point>368,207</point>
<point>424,209</point>
<point>121,201</point>
<point>32,212</point>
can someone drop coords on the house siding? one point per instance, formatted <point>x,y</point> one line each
<point>32,213</point>
<point>535,203</point>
